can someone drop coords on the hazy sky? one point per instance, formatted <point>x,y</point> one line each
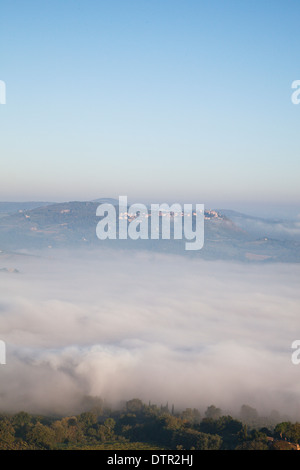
<point>156,99</point>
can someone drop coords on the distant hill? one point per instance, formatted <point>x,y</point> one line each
<point>107,200</point>
<point>12,207</point>
<point>228,236</point>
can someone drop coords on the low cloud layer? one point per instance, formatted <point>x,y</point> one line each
<point>288,229</point>
<point>163,328</point>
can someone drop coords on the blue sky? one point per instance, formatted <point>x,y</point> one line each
<point>159,100</point>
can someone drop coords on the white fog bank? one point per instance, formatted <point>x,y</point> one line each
<point>159,327</point>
